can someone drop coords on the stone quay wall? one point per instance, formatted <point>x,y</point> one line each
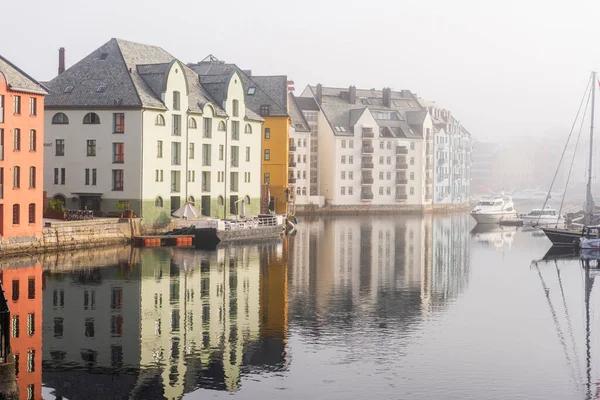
<point>313,209</point>
<point>74,235</point>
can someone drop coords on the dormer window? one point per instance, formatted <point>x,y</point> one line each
<point>265,110</point>
<point>176,100</point>
<point>103,56</point>
<point>251,91</point>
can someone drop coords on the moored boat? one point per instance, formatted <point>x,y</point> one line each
<point>494,210</point>
<point>539,216</point>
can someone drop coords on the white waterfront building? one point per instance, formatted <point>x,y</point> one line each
<point>375,148</point>
<point>131,124</point>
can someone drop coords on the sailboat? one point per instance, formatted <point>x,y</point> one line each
<point>570,236</point>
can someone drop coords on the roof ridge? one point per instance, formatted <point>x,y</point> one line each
<point>25,74</point>
<point>129,74</point>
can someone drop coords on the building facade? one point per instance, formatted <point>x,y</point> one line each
<point>300,154</point>
<point>131,126</point>
<point>375,148</point>
<point>21,153</point>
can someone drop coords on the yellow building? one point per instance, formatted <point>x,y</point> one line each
<point>275,162</point>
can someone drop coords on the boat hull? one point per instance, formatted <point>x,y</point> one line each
<point>493,218</point>
<point>542,221</point>
<point>563,237</point>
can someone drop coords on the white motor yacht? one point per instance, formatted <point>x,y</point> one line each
<point>538,216</point>
<point>492,211</point>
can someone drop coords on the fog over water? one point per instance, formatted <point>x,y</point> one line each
<point>507,69</point>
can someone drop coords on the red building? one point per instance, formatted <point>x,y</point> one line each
<point>21,152</point>
<point>23,291</point>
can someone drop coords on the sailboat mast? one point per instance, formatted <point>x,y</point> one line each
<point>589,200</point>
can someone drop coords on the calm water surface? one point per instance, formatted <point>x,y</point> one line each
<point>372,308</point>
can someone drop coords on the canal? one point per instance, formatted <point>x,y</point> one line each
<point>384,307</point>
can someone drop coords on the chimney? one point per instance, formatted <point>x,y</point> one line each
<point>387,97</point>
<point>61,60</point>
<point>319,93</point>
<point>352,94</point>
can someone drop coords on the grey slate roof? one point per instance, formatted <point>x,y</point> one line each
<point>341,113</point>
<point>18,80</point>
<point>296,115</point>
<point>268,90</point>
<point>307,103</point>
<point>120,73</point>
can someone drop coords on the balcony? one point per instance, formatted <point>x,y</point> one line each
<point>368,149</point>
<point>401,181</point>
<point>401,196</point>
<point>368,165</point>
<point>401,150</point>
<point>291,180</point>
<point>292,164</point>
<point>401,166</point>
<point>366,196</point>
<point>292,147</point>
<point>367,180</point>
<point>368,132</point>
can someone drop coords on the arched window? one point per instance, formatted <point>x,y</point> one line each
<point>298,190</point>
<point>91,118</point>
<point>191,199</point>
<point>32,213</point>
<point>304,191</point>
<point>247,199</point>
<point>220,200</point>
<point>222,126</point>
<point>248,129</point>
<point>236,108</point>
<point>158,202</point>
<point>192,123</point>
<point>60,119</point>
<point>61,198</point>
<point>160,120</point>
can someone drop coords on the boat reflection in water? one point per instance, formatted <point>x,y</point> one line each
<point>490,235</point>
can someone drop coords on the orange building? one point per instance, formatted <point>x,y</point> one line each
<point>23,291</point>
<point>21,152</point>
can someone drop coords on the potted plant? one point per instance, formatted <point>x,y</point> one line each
<point>55,209</point>
<point>124,206</point>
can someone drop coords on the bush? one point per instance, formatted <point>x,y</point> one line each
<point>55,205</point>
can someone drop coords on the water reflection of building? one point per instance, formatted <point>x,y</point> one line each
<point>91,329</point>
<point>397,267</point>
<point>23,291</point>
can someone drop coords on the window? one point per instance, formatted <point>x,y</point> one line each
<point>412,176</point>
<point>350,190</point>
<point>343,159</point>
<point>118,153</point>
<point>247,177</point>
<point>60,147</point>
<point>208,127</point>
<point>32,178</point>
<point>343,190</point>
<point>412,145</point>
<point>17,104</point>
<point>206,181</point>
<point>206,150</point>
<point>176,100</point>
<point>381,160</point>
<point>91,118</point>
<point>191,151</point>
<point>236,108</point>
<point>1,108</point>
<point>388,191</point>
<point>192,123</point>
<point>91,148</point>
<point>350,159</point>
<point>222,127</point>
<point>233,179</point>
<point>248,129</point>
<point>159,149</point>
<point>158,202</point>
<point>389,161</point>
<point>343,174</point>
<point>32,106</point>
<point>381,145</point>
<point>235,130</point>
<point>343,144</point>
<point>389,145</point>
<point>191,176</point>
<point>160,120</point>
<point>117,179</point>
<point>251,91</point>
<point>116,325</point>
<point>56,176</point>
<point>412,161</point>
<point>267,133</point>
<point>15,289</point>
<point>267,154</point>
<point>265,110</point>
<point>16,177</point>
<point>32,140</point>
<point>412,190</point>
<point>350,174</point>
<point>381,190</point>
<point>87,176</point>
<point>176,125</point>
<point>63,172</point>
<point>15,326</point>
<point>175,181</point>
<point>60,119</point>
<point>175,153</point>
<point>30,324</point>
<point>16,214</point>
<point>247,154</point>
<point>235,156</point>
<point>221,151</point>
<point>118,123</point>
<point>90,330</point>
<point>17,139</point>
<point>267,179</point>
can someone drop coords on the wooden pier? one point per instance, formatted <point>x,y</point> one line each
<point>164,240</point>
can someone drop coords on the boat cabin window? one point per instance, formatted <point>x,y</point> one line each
<point>486,203</point>
<point>509,209</point>
<point>498,203</point>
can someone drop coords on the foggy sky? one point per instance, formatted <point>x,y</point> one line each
<point>505,69</point>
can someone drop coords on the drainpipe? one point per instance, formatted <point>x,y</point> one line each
<point>142,165</point>
<point>187,159</point>
<point>226,170</point>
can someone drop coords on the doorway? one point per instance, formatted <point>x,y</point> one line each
<point>233,205</point>
<point>205,204</point>
<point>175,203</point>
<point>89,203</point>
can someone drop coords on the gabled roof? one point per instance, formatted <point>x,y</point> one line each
<point>299,123</point>
<point>259,91</point>
<point>307,103</point>
<point>18,80</point>
<point>121,73</point>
